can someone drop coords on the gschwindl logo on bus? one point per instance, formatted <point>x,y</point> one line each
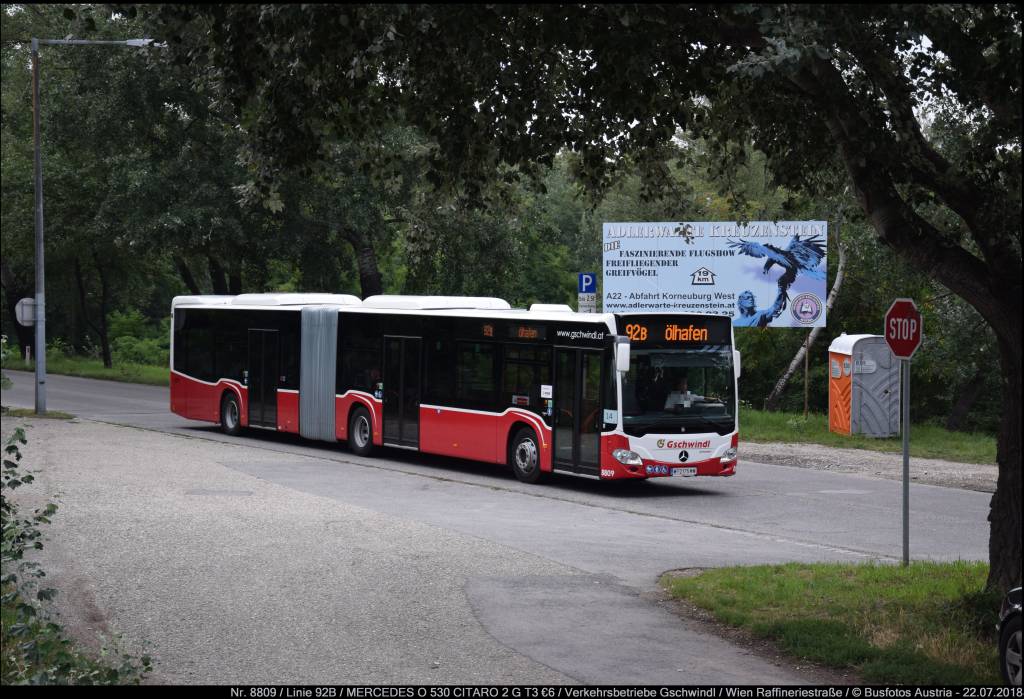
<point>684,444</point>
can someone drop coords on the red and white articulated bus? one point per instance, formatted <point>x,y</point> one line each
<point>596,395</point>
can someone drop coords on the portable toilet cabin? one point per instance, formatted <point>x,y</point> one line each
<point>863,386</point>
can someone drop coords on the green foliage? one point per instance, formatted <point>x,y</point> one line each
<point>923,624</point>
<point>131,350</point>
<point>6,355</point>
<point>34,647</point>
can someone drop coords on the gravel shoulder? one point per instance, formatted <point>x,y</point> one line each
<point>949,474</point>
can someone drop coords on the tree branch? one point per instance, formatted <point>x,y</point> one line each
<point>896,223</point>
<point>969,200</point>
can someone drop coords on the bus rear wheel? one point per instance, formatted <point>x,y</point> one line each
<point>230,414</point>
<point>524,456</point>
<point>360,432</point>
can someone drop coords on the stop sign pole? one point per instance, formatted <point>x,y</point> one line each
<point>903,328</point>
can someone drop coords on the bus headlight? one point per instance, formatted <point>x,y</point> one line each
<point>730,454</point>
<point>627,457</point>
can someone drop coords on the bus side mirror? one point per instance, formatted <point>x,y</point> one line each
<point>736,362</point>
<point>622,355</point>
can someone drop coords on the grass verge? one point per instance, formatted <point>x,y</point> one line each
<point>30,412</point>
<point>929,623</point>
<point>926,441</point>
<point>94,369</point>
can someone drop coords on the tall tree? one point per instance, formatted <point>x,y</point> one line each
<point>809,85</point>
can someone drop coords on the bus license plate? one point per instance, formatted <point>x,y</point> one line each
<point>686,471</point>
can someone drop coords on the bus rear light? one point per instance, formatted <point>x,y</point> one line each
<point>627,457</point>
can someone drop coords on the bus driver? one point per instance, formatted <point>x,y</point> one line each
<point>681,396</point>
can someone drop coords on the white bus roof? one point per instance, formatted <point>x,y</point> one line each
<point>550,308</point>
<point>268,300</point>
<point>430,303</point>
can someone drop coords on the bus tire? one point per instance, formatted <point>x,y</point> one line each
<point>360,432</point>
<point>230,414</point>
<point>524,456</point>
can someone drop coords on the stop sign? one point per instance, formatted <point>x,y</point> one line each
<point>903,328</point>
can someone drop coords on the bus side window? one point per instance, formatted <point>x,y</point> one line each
<point>199,359</point>
<point>438,387</point>
<point>526,370</point>
<point>474,377</point>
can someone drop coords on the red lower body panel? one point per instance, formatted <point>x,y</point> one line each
<point>200,400</point>
<point>288,411</point>
<point>479,436</point>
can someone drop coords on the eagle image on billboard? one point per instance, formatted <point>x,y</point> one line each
<point>762,273</point>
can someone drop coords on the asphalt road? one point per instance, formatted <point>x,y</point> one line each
<point>553,581</point>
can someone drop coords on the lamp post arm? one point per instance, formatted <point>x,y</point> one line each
<point>139,43</point>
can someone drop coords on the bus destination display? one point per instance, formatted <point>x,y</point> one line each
<point>664,332</point>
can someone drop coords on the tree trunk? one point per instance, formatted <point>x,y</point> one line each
<point>967,395</point>
<point>15,291</point>
<point>217,279</point>
<point>186,275</point>
<point>369,275</point>
<point>366,259</point>
<point>104,329</point>
<point>83,295</point>
<point>235,277</point>
<point>1004,542</point>
<point>772,402</point>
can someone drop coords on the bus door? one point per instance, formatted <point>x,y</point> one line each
<point>264,360</point>
<point>402,391</point>
<point>578,417</point>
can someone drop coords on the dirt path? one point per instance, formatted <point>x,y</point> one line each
<point>980,477</point>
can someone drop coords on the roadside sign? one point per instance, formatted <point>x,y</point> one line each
<point>586,285</point>
<point>903,328</point>
<point>902,332</point>
<point>25,312</point>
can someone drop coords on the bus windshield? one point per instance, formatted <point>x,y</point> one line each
<point>679,390</point>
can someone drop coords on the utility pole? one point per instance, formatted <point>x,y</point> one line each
<point>40,308</point>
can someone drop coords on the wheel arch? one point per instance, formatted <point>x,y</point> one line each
<point>513,430</point>
<point>353,407</point>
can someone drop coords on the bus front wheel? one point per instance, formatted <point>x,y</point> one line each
<point>230,414</point>
<point>524,456</point>
<point>360,432</point>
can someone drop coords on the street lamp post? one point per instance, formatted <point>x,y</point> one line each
<point>40,308</point>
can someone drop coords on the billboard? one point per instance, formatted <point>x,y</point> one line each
<point>762,273</point>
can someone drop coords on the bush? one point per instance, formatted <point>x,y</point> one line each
<point>129,323</point>
<point>59,348</point>
<point>6,355</point>
<point>133,350</point>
